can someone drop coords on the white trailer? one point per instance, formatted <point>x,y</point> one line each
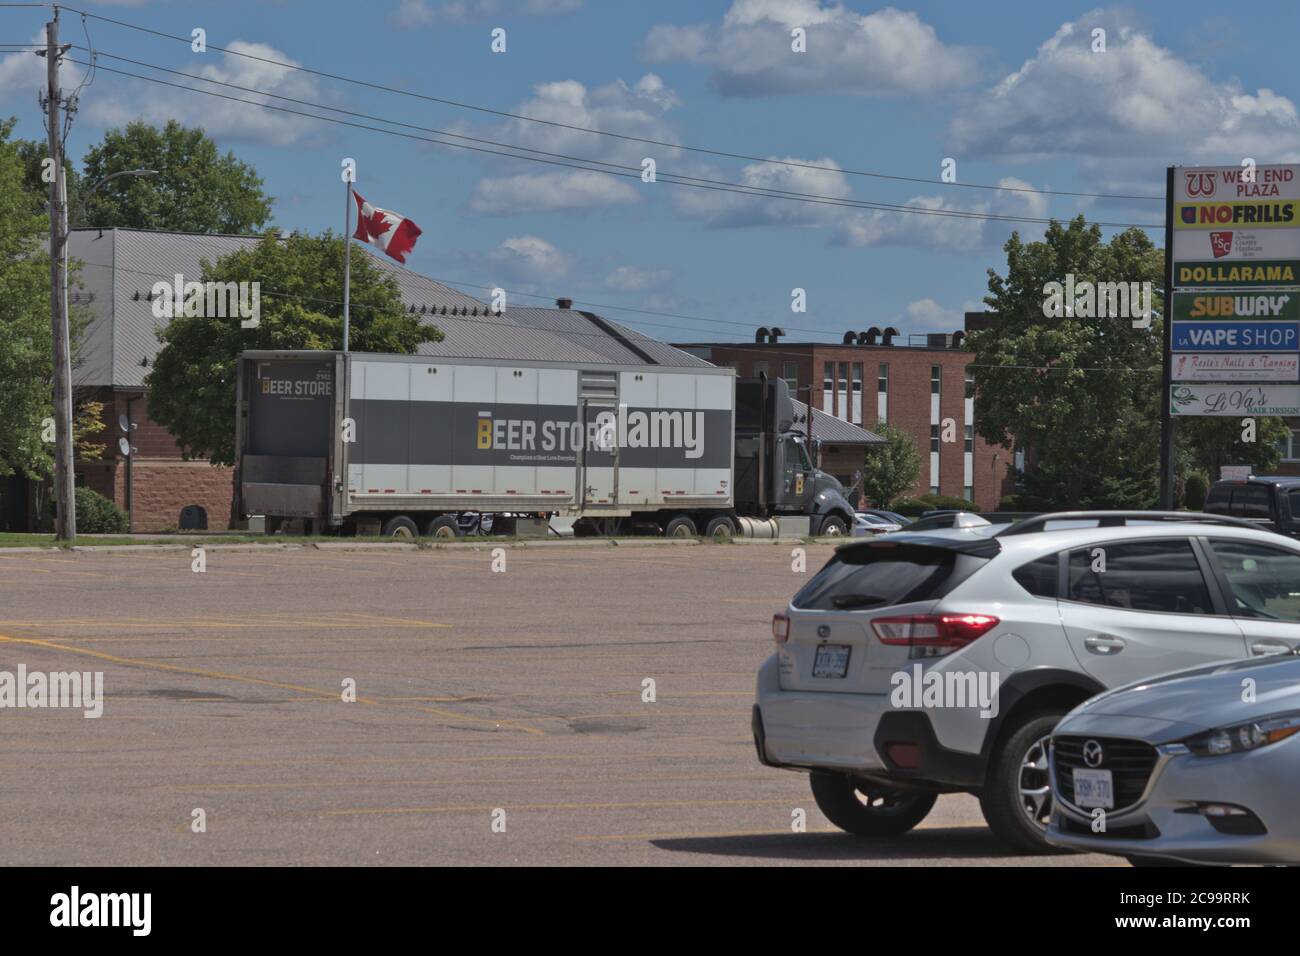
<point>414,442</point>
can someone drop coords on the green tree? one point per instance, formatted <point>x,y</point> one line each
<point>890,470</point>
<point>26,364</point>
<point>196,189</point>
<point>1080,394</point>
<point>192,383</point>
<point>1207,444</point>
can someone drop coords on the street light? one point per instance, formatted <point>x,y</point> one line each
<point>66,412</point>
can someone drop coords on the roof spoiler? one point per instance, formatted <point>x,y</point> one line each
<point>1107,519</point>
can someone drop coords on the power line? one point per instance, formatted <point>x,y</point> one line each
<point>622,136</point>
<point>761,192</point>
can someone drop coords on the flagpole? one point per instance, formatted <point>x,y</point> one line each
<point>347,261</point>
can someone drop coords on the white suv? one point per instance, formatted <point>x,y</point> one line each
<point>940,661</point>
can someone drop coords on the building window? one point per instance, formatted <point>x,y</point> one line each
<point>969,493</point>
<point>842,396</point>
<point>1290,446</point>
<point>828,389</point>
<point>857,393</point>
<point>760,368</point>
<point>790,372</point>
<point>934,489</point>
<point>934,439</point>
<point>936,373</point>
<point>970,439</point>
<point>970,384</point>
<point>882,379</point>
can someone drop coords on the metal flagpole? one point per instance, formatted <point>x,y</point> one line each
<point>347,261</point>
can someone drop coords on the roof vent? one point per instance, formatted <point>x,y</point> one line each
<point>869,337</point>
<point>775,335</point>
<point>762,333</point>
<point>564,303</point>
<point>887,336</point>
<point>850,338</point>
<point>958,338</point>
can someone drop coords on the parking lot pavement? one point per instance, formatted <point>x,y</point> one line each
<point>486,701</point>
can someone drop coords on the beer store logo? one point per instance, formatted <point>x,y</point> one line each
<point>1201,182</point>
<point>297,388</point>
<point>627,429</point>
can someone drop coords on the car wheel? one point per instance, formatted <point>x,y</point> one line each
<point>868,810</point>
<point>833,527</point>
<point>1017,797</point>
<point>400,527</point>
<point>720,528</point>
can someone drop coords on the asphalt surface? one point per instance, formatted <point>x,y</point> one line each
<point>476,692</point>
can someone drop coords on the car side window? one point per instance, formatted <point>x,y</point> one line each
<point>1038,577</point>
<point>1251,501</point>
<point>1265,581</point>
<point>1140,576</point>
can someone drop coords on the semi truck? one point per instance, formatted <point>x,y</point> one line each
<point>409,445</point>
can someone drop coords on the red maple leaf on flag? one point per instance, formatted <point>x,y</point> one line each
<point>389,231</point>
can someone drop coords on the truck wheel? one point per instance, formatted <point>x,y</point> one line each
<point>833,526</point>
<point>874,812</point>
<point>680,527</point>
<point>1017,798</point>
<point>720,528</point>
<point>443,526</point>
<point>399,526</point>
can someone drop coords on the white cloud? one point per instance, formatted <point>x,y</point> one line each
<point>23,73</point>
<point>222,119</point>
<point>722,208</point>
<point>412,13</point>
<point>636,110</point>
<point>530,258</point>
<point>887,52</point>
<point>632,279</point>
<point>1125,113</point>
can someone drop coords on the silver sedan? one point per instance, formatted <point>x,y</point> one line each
<point>1197,766</point>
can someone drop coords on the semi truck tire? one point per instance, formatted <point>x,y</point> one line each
<point>720,528</point>
<point>442,526</point>
<point>680,527</point>
<point>833,526</point>
<point>399,526</point>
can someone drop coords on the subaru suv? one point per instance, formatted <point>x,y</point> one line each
<point>940,661</point>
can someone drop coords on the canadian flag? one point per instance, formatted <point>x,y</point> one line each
<point>392,233</point>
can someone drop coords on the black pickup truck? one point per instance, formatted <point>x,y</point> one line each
<point>1271,500</point>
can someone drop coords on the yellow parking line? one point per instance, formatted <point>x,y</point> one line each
<point>479,807</point>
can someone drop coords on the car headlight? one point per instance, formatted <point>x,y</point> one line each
<point>1240,738</point>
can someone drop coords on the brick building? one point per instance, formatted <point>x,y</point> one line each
<point>923,386</point>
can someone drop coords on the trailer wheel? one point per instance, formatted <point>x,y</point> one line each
<point>442,526</point>
<point>680,527</point>
<point>399,526</point>
<point>720,528</point>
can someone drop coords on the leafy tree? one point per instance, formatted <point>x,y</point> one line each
<point>1081,395</point>
<point>26,363</point>
<point>192,383</point>
<point>196,189</point>
<point>890,470</point>
<point>1210,443</point>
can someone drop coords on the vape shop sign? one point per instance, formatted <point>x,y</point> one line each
<point>1234,400</point>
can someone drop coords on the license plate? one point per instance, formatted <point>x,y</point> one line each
<point>832,660</point>
<point>1094,788</point>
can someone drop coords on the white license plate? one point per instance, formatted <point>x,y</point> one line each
<point>832,660</point>
<point>1094,788</point>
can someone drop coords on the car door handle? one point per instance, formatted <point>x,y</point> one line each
<point>1103,644</point>
<point>1260,648</point>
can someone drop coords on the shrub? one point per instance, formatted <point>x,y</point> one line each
<point>97,515</point>
<point>1195,490</point>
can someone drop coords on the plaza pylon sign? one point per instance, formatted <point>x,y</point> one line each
<point>1234,306</point>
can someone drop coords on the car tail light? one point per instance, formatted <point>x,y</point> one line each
<point>780,627</point>
<point>933,630</point>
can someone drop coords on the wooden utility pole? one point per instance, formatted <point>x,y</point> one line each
<point>65,528</point>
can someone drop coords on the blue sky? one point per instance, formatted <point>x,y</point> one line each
<point>1013,92</point>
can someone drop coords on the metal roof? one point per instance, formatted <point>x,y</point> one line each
<point>120,267</point>
<point>832,430</point>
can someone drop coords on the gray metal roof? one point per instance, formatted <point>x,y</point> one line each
<point>832,430</point>
<point>120,267</point>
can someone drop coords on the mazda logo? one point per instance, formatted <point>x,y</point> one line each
<point>1092,753</point>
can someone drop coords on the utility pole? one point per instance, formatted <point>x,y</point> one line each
<point>66,515</point>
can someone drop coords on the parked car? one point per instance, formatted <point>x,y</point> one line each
<point>1187,767</point>
<point>1270,501</point>
<point>1047,612</point>
<point>894,516</point>
<point>865,524</point>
